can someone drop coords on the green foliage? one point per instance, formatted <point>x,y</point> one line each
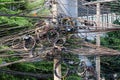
<point>115,7</point>
<point>5,10</point>
<point>73,77</point>
<point>37,7</point>
<point>6,0</point>
<point>112,39</point>
<point>34,4</point>
<point>41,67</point>
<point>15,21</point>
<point>111,64</point>
<point>12,9</point>
<point>4,76</point>
<point>3,47</point>
<point>35,67</point>
<point>73,43</point>
<point>1,60</point>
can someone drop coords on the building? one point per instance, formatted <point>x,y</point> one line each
<point>68,7</point>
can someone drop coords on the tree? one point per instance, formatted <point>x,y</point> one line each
<point>11,26</point>
<point>110,65</point>
<point>37,7</point>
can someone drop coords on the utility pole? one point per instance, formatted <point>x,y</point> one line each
<point>54,20</point>
<point>98,13</point>
<point>98,40</point>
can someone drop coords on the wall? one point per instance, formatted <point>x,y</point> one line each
<point>69,7</point>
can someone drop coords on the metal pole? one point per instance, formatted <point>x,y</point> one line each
<point>98,41</point>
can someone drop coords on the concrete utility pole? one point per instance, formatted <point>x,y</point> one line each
<point>54,20</point>
<point>98,40</point>
<point>98,13</point>
<point>54,11</point>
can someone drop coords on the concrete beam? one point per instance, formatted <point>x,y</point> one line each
<point>100,1</point>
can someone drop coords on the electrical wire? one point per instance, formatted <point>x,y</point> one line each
<point>69,11</point>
